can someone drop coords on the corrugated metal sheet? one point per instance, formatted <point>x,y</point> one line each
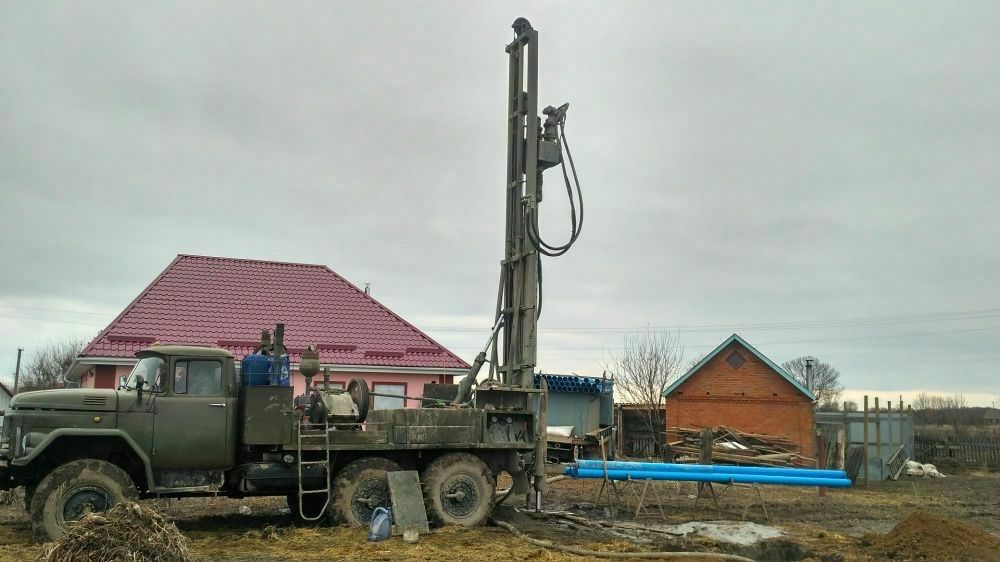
<point>890,434</point>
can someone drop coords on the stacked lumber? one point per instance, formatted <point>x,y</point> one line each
<point>730,446</point>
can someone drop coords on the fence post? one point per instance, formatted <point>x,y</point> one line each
<point>878,438</point>
<point>888,413</point>
<point>845,438</point>
<point>821,457</point>
<point>913,428</point>
<point>865,442</point>
<point>902,437</point>
<point>841,450</point>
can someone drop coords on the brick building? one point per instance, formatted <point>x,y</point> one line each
<point>737,386</point>
<point>226,302</point>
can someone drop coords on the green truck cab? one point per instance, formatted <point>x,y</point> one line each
<point>182,425</point>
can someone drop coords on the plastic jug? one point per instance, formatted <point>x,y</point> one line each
<point>279,372</point>
<point>381,525</point>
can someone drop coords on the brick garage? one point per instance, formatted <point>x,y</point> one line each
<point>737,386</point>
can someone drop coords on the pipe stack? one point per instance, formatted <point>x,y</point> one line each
<point>721,474</point>
<point>576,383</point>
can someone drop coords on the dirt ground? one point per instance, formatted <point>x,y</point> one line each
<point>852,524</point>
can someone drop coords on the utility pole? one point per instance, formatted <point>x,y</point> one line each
<point>17,369</point>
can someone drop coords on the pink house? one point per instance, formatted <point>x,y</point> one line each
<point>226,302</point>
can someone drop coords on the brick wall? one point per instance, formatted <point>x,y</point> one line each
<point>752,398</point>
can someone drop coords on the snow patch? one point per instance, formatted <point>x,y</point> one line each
<point>743,533</point>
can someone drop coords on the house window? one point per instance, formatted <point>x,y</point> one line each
<point>735,360</point>
<point>385,402</point>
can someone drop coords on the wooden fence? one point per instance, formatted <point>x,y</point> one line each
<point>969,450</point>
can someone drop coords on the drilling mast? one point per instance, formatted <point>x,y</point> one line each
<point>532,147</point>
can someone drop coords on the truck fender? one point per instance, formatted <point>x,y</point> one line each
<point>81,432</point>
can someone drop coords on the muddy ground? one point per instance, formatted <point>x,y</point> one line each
<point>844,525</point>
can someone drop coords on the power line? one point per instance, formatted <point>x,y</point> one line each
<point>783,325</point>
<point>856,338</point>
<point>52,320</point>
<point>63,311</point>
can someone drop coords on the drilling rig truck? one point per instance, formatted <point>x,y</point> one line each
<point>186,424</point>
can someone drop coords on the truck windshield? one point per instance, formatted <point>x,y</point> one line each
<point>150,369</point>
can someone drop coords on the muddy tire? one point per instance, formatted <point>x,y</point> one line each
<point>359,489</point>
<point>73,490</point>
<point>458,490</point>
<point>312,506</point>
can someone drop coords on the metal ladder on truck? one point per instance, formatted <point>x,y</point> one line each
<point>304,492</point>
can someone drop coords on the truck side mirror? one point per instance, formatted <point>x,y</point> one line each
<point>121,382</point>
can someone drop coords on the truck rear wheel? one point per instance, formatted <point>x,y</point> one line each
<point>360,488</point>
<point>73,490</point>
<point>312,506</point>
<point>458,490</point>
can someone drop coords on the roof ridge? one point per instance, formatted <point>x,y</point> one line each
<point>6,389</point>
<point>251,260</point>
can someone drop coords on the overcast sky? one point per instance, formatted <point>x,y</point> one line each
<point>821,179</point>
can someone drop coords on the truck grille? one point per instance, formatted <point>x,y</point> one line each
<point>95,401</point>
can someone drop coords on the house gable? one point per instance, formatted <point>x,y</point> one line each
<point>739,360</point>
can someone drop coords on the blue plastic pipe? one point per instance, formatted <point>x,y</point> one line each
<point>709,477</point>
<point>711,468</point>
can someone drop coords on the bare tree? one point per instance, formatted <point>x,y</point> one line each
<point>825,379</point>
<point>688,365</point>
<point>850,406</point>
<point>648,363</point>
<point>47,364</point>
<point>922,401</point>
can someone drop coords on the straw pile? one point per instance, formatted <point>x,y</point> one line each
<point>128,531</point>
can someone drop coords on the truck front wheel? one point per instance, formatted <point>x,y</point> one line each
<point>458,490</point>
<point>360,488</point>
<point>73,490</point>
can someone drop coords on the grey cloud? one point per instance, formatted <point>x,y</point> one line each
<point>740,163</point>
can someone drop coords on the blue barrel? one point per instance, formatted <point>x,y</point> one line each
<point>256,370</point>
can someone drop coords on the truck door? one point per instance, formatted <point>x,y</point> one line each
<point>191,417</point>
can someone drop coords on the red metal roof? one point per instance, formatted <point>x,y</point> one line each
<point>226,302</point>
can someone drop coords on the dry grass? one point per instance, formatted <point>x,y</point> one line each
<point>831,524</point>
<point>127,532</point>
<point>342,543</point>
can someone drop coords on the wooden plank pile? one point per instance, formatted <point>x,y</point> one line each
<point>736,447</point>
